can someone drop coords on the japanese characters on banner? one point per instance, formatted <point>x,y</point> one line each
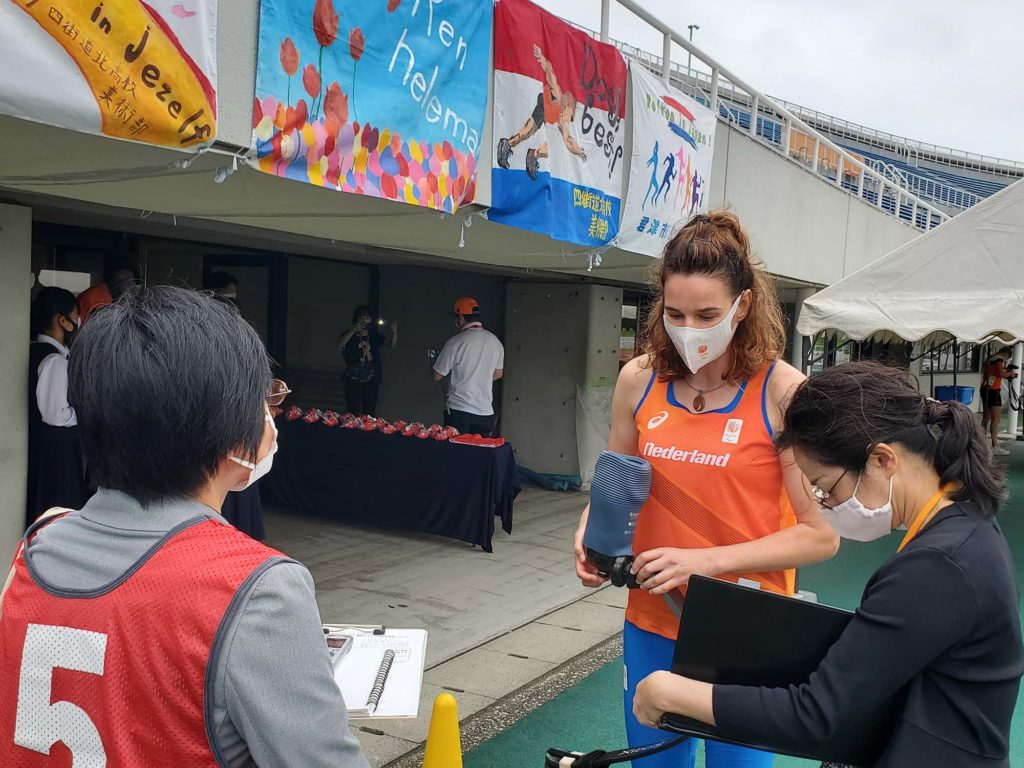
<point>143,71</point>
<point>384,98</point>
<point>673,145</point>
<point>559,115</point>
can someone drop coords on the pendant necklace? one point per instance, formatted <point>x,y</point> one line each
<point>698,401</point>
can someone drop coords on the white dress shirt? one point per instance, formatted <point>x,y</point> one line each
<point>52,387</point>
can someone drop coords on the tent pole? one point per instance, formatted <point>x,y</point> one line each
<point>931,371</point>
<point>956,364</point>
<point>1018,360</point>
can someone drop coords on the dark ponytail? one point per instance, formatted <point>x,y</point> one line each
<point>840,414</point>
<point>50,303</point>
<point>963,456</point>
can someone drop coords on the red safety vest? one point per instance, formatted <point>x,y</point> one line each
<point>117,677</point>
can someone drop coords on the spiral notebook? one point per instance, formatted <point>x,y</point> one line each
<point>365,665</point>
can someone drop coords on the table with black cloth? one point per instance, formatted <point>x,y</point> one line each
<point>392,481</point>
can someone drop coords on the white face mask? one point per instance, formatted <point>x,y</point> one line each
<point>852,520</point>
<point>700,346</point>
<point>261,467</point>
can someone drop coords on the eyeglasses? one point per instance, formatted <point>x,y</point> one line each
<point>822,497</point>
<point>278,392</point>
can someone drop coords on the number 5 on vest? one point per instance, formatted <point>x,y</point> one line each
<point>39,724</point>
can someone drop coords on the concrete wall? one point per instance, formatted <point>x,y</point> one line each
<point>15,272</point>
<point>801,227</point>
<point>237,41</point>
<point>558,336</point>
<point>420,300</point>
<point>321,297</point>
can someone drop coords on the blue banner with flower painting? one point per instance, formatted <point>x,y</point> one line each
<point>375,97</point>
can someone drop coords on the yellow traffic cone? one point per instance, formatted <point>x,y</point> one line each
<point>444,744</point>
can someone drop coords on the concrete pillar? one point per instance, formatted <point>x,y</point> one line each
<point>15,269</point>
<point>1018,360</point>
<point>557,336</point>
<point>797,354</point>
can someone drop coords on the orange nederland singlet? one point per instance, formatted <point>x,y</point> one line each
<point>715,480</point>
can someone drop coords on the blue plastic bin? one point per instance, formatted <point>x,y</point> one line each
<point>964,395</point>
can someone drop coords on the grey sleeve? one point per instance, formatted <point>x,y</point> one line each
<point>274,683</point>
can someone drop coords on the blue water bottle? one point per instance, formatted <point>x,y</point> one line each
<point>619,489</point>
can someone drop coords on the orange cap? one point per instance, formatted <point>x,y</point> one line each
<point>467,306</point>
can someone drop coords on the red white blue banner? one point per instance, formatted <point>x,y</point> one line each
<point>559,127</point>
<point>670,167</point>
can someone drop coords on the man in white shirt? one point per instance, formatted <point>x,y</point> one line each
<point>473,359</point>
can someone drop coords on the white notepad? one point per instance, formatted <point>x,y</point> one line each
<point>356,672</point>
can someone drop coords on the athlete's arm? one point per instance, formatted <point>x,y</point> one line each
<point>549,73</point>
<point>273,689</point>
<point>811,540</point>
<point>570,142</point>
<point>623,438</point>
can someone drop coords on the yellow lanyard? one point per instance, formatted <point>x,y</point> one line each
<point>922,516</point>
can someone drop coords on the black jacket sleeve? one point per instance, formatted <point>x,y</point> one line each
<point>917,606</point>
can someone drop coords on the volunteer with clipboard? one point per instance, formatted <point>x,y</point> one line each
<point>939,619</point>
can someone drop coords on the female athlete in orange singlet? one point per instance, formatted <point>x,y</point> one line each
<point>702,406</point>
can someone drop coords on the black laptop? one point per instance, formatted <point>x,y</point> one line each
<point>738,635</point>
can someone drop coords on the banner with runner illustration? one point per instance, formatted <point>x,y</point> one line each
<point>383,98</point>
<point>670,167</point>
<point>559,127</point>
<point>142,71</point>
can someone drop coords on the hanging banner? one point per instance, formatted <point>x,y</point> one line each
<point>383,98</point>
<point>142,71</point>
<point>559,109</point>
<point>670,168</point>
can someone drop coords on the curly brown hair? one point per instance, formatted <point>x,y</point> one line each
<point>716,245</point>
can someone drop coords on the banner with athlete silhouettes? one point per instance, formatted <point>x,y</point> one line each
<point>670,167</point>
<point>559,127</point>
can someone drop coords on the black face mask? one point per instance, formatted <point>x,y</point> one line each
<point>69,336</point>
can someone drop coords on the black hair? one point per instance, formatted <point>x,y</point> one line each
<point>166,383</point>
<point>839,415</point>
<point>474,318</point>
<point>362,309</point>
<point>110,273</point>
<point>218,281</point>
<point>49,303</point>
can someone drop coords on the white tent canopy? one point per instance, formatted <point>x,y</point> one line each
<point>964,278</point>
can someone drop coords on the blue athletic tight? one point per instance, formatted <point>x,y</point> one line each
<point>646,652</point>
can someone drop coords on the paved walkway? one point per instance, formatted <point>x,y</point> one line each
<point>496,621</point>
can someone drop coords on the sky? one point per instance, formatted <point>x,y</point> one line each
<point>942,72</point>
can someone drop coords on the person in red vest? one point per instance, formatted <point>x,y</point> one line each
<point>117,280</point>
<point>142,629</point>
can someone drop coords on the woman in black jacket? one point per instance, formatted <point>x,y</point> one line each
<point>940,618</point>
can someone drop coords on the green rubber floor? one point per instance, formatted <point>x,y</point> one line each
<point>589,715</point>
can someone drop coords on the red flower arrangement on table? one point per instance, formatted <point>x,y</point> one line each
<point>369,424</point>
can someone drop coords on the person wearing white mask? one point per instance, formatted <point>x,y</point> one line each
<point>188,643</point>
<point>702,405</point>
<point>939,620</point>
<point>244,507</point>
